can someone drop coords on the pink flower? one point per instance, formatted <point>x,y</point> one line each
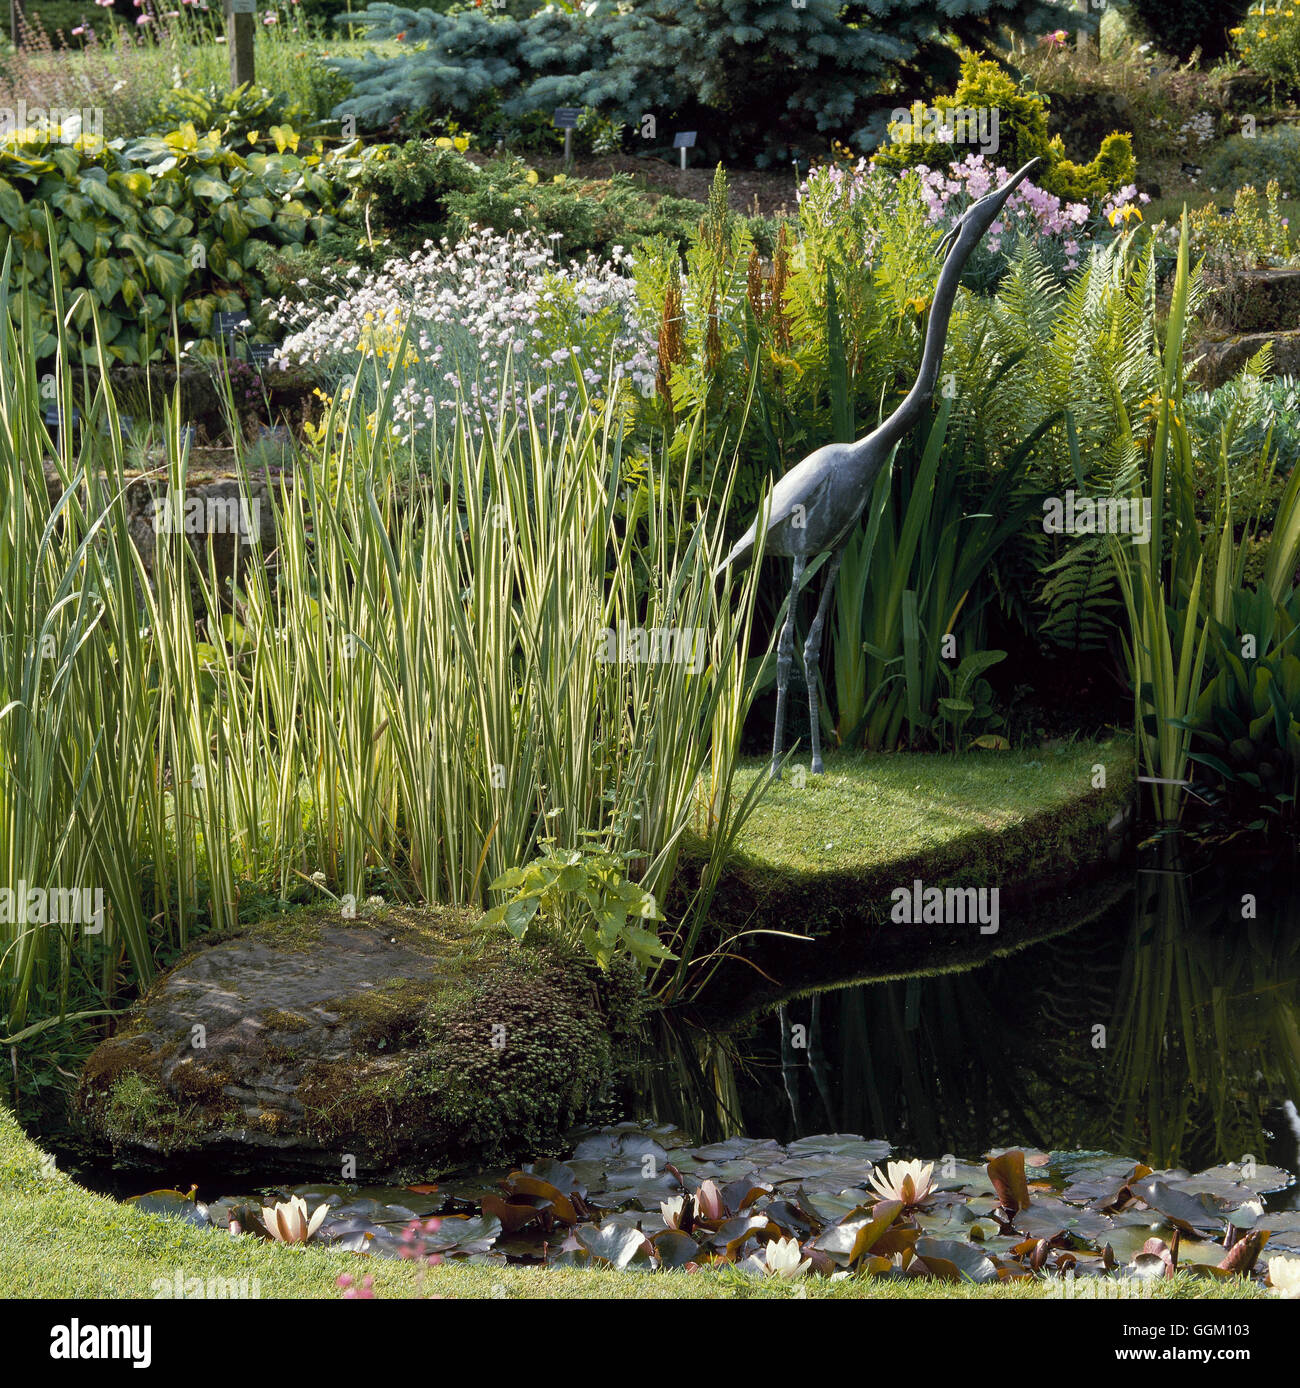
<point>144,19</point>
<point>79,30</point>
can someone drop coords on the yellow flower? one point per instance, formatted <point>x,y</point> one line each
<point>531,176</point>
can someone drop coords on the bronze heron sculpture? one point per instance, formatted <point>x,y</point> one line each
<point>814,508</point>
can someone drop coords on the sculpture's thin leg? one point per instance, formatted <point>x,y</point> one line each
<point>812,652</point>
<point>817,1061</point>
<point>784,659</point>
<point>789,1069</point>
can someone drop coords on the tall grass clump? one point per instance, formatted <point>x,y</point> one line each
<point>1179,589</point>
<point>405,689</point>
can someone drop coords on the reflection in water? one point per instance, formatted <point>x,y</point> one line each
<point>1169,1029</point>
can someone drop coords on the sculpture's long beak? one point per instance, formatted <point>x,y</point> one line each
<point>946,240</point>
<point>1017,179</point>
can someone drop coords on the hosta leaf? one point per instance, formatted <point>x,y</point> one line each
<point>12,209</point>
<point>106,277</point>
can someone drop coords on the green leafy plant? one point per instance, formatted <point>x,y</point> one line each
<point>155,231</point>
<point>1268,39</point>
<point>410,683</point>
<point>233,115</point>
<point>1179,590</point>
<point>966,712</point>
<point>582,895</point>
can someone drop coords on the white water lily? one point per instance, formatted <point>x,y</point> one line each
<point>672,1211</point>
<point>1284,1273</point>
<point>908,1181</point>
<point>288,1222</point>
<point>782,1259</point>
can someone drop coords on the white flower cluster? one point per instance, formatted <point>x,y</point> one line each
<point>492,314</point>
<point>1199,127</point>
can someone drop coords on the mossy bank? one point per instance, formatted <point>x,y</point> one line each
<point>399,1041</point>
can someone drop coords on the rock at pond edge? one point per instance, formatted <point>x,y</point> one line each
<point>401,1040</point>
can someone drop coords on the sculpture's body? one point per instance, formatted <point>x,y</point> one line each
<point>814,508</point>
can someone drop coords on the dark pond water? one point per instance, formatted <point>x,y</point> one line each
<point>1167,1029</point>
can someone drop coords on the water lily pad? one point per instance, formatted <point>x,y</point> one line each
<point>949,1259</point>
<point>847,1145</point>
<point>1192,1210</point>
<point>455,1234</point>
<point>742,1148</point>
<point>172,1203</point>
<point>830,1207</point>
<point>848,1240</point>
<point>675,1249</point>
<point>1264,1181</point>
<point>611,1242</point>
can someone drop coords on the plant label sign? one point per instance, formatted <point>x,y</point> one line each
<point>243,6</point>
<point>684,139</point>
<point>566,117</point>
<point>224,324</point>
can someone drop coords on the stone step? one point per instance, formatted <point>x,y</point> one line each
<point>1213,362</point>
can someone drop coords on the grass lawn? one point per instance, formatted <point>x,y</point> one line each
<point>869,809</point>
<point>57,1240</point>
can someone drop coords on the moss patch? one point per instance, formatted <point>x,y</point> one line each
<point>505,1059</point>
<point>822,860</point>
<point>406,1038</point>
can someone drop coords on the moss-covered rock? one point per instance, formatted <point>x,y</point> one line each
<point>404,1040</point>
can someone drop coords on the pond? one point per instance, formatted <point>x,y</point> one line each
<point>1164,1030</point>
<point>1167,1029</point>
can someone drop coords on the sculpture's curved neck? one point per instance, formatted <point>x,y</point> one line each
<point>876,446</point>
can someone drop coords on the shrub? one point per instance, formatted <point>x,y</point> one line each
<point>427,189</point>
<point>755,77</point>
<point>151,227</point>
<point>1269,41</point>
<point>1022,134</point>
<point>1271,157</point>
<point>1189,25</point>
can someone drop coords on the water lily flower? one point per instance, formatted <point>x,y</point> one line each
<point>709,1202</point>
<point>782,1259</point>
<point>1284,1274</point>
<point>909,1181</point>
<point>288,1222</point>
<point>672,1211</point>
